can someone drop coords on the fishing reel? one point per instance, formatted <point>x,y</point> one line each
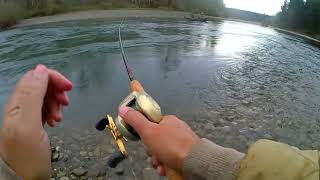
<point>121,131</point>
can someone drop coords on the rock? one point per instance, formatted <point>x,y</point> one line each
<point>58,148</point>
<point>61,173</point>
<point>73,177</point>
<point>94,172</point>
<point>79,171</point>
<point>90,154</point>
<point>119,171</point>
<point>75,160</point>
<point>52,179</point>
<point>149,173</point>
<point>84,177</point>
<point>244,102</point>
<point>267,136</point>
<point>61,155</point>
<point>55,157</point>
<point>64,178</point>
<point>83,153</point>
<point>231,118</point>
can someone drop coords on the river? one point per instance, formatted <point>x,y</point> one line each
<point>232,82</point>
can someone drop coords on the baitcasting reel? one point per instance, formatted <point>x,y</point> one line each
<point>121,131</point>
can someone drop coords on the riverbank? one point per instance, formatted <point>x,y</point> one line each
<point>104,14</point>
<point>297,34</point>
<point>134,14</point>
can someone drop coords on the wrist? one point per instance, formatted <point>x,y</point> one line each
<point>207,159</point>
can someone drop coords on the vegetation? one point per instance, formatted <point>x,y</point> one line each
<point>10,13</point>
<point>300,15</point>
<point>13,10</point>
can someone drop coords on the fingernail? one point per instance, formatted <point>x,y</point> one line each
<point>40,69</point>
<point>123,110</point>
<point>69,85</point>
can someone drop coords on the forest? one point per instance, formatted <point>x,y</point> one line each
<point>300,15</point>
<point>12,11</point>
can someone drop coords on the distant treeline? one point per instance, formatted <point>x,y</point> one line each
<point>300,15</point>
<point>13,10</point>
<point>246,15</point>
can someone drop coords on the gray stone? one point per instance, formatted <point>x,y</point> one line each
<point>55,157</point>
<point>119,171</point>
<point>64,178</point>
<point>267,136</point>
<point>83,153</point>
<point>73,177</point>
<point>75,160</point>
<point>90,154</point>
<point>79,171</point>
<point>94,172</point>
<point>61,155</point>
<point>84,177</point>
<point>58,148</point>
<point>149,173</point>
<point>61,173</point>
<point>231,118</point>
<point>52,179</point>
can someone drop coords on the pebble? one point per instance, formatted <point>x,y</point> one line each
<point>94,172</point>
<point>64,178</point>
<point>79,171</point>
<point>55,157</point>
<point>61,155</point>
<point>83,153</point>
<point>119,171</point>
<point>61,173</point>
<point>84,177</point>
<point>267,136</point>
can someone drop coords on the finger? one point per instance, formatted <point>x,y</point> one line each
<point>52,111</point>
<point>58,82</point>
<point>29,95</point>
<point>135,119</point>
<point>161,171</point>
<point>62,98</point>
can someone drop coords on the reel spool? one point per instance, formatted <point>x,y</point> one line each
<point>143,103</point>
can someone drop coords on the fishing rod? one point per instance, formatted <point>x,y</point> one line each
<point>139,100</point>
<point>125,61</point>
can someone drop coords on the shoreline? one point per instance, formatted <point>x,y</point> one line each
<point>134,14</point>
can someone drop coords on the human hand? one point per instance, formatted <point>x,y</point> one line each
<point>37,100</point>
<point>168,143</point>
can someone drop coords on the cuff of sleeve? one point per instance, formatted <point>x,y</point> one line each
<point>7,173</point>
<point>211,161</point>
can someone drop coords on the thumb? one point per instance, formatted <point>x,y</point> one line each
<point>29,94</point>
<point>136,120</point>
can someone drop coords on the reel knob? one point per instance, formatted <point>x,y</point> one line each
<point>102,124</point>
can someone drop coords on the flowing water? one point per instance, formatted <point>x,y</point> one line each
<point>233,83</point>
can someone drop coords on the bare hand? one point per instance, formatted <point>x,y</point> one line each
<point>168,143</point>
<point>37,100</point>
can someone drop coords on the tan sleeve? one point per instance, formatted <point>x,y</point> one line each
<point>211,161</point>
<point>272,160</point>
<point>6,173</point>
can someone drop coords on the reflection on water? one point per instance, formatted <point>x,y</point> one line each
<point>232,82</point>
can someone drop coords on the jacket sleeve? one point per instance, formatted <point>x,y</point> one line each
<point>272,160</point>
<point>210,161</point>
<point>6,173</point>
